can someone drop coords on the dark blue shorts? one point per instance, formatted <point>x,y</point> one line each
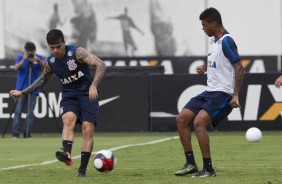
<point>81,106</point>
<point>215,103</point>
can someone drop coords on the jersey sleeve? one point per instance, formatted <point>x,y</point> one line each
<point>230,51</point>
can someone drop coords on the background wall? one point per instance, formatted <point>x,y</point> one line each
<point>255,25</point>
<point>2,51</point>
<point>151,103</point>
<point>171,36</point>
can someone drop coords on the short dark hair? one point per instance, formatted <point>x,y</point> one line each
<point>55,36</point>
<point>29,46</point>
<point>211,14</point>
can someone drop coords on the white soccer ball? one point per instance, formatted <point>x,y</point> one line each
<point>104,161</point>
<point>253,134</point>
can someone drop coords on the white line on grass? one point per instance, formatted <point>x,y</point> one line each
<point>78,156</point>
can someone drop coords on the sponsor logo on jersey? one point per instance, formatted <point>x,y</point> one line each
<point>72,78</point>
<point>212,64</point>
<point>52,60</point>
<point>72,65</point>
<point>70,53</point>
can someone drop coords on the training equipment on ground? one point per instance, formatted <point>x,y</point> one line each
<point>104,161</point>
<point>253,134</point>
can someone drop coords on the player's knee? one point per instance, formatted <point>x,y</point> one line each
<point>199,126</point>
<point>88,128</point>
<point>180,121</point>
<point>68,120</point>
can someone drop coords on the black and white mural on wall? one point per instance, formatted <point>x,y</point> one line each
<point>106,27</point>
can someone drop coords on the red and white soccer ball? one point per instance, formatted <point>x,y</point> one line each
<point>104,161</point>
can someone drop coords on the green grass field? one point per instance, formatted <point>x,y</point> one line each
<point>235,160</point>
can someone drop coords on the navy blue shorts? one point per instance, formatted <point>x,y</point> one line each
<point>81,106</point>
<point>215,103</point>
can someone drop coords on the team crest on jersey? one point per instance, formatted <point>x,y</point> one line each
<point>72,65</point>
<point>70,53</point>
<point>52,60</point>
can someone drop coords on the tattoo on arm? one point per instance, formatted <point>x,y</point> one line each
<point>99,74</point>
<point>41,80</point>
<point>84,56</point>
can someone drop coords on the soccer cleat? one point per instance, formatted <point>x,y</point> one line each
<point>204,173</point>
<point>81,173</point>
<point>64,157</point>
<point>187,169</point>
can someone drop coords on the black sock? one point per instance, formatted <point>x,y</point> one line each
<point>67,145</point>
<point>84,159</point>
<point>190,157</point>
<point>208,164</point>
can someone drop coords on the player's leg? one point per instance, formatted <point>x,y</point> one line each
<point>89,117</point>
<point>183,120</point>
<point>69,121</point>
<point>213,112</point>
<point>87,146</point>
<point>70,111</point>
<point>201,121</point>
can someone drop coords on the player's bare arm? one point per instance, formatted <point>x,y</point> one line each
<point>239,76</point>
<point>40,81</point>
<point>84,56</point>
<point>278,81</point>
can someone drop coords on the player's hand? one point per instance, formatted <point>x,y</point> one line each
<point>234,103</point>
<point>93,93</point>
<point>278,81</point>
<point>201,69</point>
<point>15,93</point>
